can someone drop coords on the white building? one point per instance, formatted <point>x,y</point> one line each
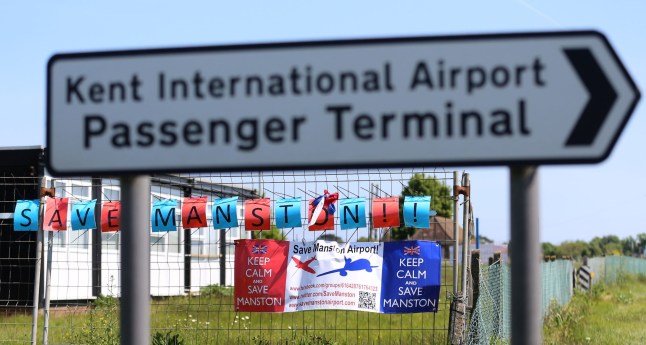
<point>86,263</point>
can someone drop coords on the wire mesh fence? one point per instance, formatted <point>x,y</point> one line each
<point>598,269</point>
<point>490,323</point>
<point>491,318</point>
<point>192,270</point>
<point>610,269</point>
<point>558,284</point>
<point>17,259</point>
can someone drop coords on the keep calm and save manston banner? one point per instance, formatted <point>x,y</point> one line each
<point>382,277</point>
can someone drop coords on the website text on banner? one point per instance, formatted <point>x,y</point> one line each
<point>381,277</point>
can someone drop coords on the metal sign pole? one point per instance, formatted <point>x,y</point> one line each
<point>39,261</point>
<point>135,260</point>
<point>525,257</point>
<point>48,285</point>
<point>37,282</point>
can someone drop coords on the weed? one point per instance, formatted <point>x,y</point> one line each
<point>102,324</point>
<point>216,291</point>
<point>624,297</point>
<point>167,338</point>
<point>561,322</point>
<point>305,339</point>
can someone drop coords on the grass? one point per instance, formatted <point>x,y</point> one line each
<point>211,319</point>
<point>609,315</point>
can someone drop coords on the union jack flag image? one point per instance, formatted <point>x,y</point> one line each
<point>411,250</point>
<point>259,249</point>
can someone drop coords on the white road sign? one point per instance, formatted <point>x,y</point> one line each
<point>461,100</point>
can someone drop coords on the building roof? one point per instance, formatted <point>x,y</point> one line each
<point>441,229</point>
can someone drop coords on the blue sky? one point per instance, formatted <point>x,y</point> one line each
<point>577,202</point>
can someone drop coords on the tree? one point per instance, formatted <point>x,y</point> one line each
<point>548,249</point>
<point>575,249</point>
<point>641,242</point>
<point>611,245</point>
<point>330,237</point>
<point>629,246</point>
<point>484,239</point>
<point>596,246</point>
<point>422,185</point>
<point>272,234</point>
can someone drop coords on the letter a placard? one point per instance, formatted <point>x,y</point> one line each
<point>55,218</point>
<point>194,213</point>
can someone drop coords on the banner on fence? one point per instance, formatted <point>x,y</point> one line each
<point>381,277</point>
<point>321,213</point>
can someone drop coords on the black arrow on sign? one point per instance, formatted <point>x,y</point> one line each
<point>602,97</point>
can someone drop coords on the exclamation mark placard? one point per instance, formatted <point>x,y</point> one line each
<point>385,212</point>
<point>417,211</point>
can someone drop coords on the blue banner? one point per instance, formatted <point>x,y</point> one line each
<point>83,215</point>
<point>162,217</point>
<point>411,277</point>
<point>287,213</point>
<point>225,214</point>
<point>25,217</point>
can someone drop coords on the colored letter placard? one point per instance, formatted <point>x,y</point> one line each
<point>224,213</point>
<point>261,267</point>
<point>111,216</point>
<point>325,220</point>
<point>163,215</point>
<point>256,214</point>
<point>25,217</point>
<point>387,277</point>
<point>55,214</point>
<point>194,213</point>
<point>417,210</point>
<point>288,213</point>
<point>412,274</point>
<point>385,212</point>
<point>352,213</point>
<point>83,215</point>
